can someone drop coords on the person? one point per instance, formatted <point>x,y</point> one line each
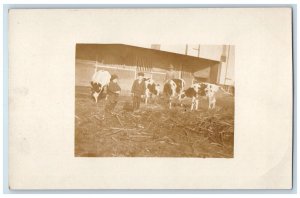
<point>170,74</point>
<point>113,91</point>
<point>138,90</point>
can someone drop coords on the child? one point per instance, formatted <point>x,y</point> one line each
<point>113,91</point>
<point>138,90</point>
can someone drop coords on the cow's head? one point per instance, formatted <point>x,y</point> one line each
<point>153,87</point>
<point>202,89</point>
<point>211,90</point>
<point>196,87</point>
<point>96,90</point>
<point>157,89</point>
<point>148,81</point>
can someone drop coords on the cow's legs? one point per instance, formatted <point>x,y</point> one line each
<point>170,103</point>
<point>147,95</point>
<point>105,91</point>
<point>101,90</point>
<point>193,103</point>
<point>211,103</point>
<point>180,99</point>
<point>214,103</point>
<point>197,103</point>
<point>95,95</point>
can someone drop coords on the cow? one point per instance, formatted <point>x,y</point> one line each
<point>174,89</point>
<point>99,83</point>
<point>210,91</point>
<point>196,91</point>
<point>152,89</point>
<point>202,89</point>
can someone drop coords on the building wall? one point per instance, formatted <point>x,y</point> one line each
<point>84,71</point>
<point>222,73</point>
<point>227,67</point>
<point>213,52</point>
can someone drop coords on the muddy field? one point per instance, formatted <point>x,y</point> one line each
<point>154,131</point>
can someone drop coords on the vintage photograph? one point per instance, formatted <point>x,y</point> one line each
<point>154,100</point>
<point>199,97</point>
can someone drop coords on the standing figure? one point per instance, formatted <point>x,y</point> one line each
<point>138,90</point>
<point>113,91</point>
<point>171,74</point>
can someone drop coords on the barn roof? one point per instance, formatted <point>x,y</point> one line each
<point>137,56</point>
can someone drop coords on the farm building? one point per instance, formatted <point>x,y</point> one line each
<point>127,60</point>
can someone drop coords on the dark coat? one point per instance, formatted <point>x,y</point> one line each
<point>138,89</point>
<point>111,89</point>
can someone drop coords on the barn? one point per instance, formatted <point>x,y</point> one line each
<point>126,61</point>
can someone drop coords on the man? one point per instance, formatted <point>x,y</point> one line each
<point>113,91</point>
<point>138,90</point>
<point>170,74</point>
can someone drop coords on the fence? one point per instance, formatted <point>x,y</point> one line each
<point>85,69</point>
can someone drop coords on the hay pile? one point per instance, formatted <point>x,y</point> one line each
<point>156,132</point>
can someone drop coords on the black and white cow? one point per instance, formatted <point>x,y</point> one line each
<point>202,89</point>
<point>174,89</point>
<point>211,91</point>
<point>99,83</point>
<point>152,89</point>
<point>196,91</point>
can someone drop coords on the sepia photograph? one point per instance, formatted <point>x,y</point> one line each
<point>200,98</point>
<point>154,100</point>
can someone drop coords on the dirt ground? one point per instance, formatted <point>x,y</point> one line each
<point>155,130</point>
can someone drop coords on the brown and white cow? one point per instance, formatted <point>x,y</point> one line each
<point>152,89</point>
<point>99,83</point>
<point>173,89</point>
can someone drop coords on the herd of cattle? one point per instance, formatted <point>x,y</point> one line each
<point>173,89</point>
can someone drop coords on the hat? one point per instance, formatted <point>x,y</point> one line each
<point>114,76</point>
<point>140,74</point>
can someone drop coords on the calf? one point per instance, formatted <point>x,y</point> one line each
<point>99,83</point>
<point>152,89</point>
<point>174,89</point>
